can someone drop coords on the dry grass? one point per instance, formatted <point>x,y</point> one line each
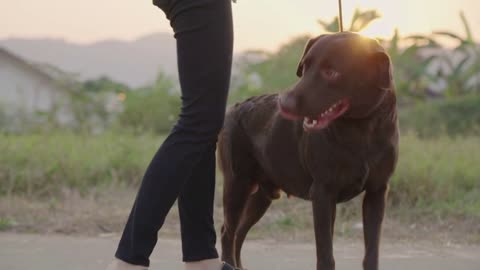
<point>104,212</point>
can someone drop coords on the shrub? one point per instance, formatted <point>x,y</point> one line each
<point>455,117</point>
<point>152,109</point>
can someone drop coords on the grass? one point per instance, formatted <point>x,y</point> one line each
<point>439,175</point>
<point>436,179</point>
<point>43,164</point>
<point>6,224</point>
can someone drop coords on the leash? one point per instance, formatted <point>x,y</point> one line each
<point>340,17</point>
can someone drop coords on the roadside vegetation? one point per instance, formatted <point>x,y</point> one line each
<point>44,167</point>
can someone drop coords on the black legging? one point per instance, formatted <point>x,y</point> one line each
<point>184,166</point>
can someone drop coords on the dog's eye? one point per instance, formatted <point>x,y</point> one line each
<point>330,74</point>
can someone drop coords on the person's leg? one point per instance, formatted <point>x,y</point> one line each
<point>213,48</point>
<point>195,205</point>
<point>203,29</point>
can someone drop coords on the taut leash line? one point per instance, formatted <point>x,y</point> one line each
<point>340,17</point>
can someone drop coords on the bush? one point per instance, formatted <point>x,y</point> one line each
<point>273,73</point>
<point>455,117</point>
<point>151,109</point>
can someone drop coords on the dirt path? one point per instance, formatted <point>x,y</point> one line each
<point>52,252</point>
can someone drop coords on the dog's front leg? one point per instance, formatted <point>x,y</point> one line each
<point>323,217</point>
<point>373,212</point>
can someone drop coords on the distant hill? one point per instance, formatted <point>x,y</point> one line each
<point>135,63</point>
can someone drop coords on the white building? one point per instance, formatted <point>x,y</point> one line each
<point>27,89</point>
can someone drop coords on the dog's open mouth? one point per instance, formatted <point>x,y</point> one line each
<point>325,118</point>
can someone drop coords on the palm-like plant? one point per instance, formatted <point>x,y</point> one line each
<point>360,20</point>
<point>412,64</point>
<point>462,66</point>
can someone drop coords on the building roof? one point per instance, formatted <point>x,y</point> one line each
<point>25,64</point>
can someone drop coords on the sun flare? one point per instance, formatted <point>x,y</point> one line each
<point>378,30</point>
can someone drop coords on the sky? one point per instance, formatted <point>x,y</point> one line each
<point>259,24</point>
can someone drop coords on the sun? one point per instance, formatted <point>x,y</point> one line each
<point>383,27</point>
<point>378,30</point>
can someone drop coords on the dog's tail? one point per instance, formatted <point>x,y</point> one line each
<point>223,163</point>
<point>224,146</point>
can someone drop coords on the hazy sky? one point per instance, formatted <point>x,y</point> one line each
<point>258,23</point>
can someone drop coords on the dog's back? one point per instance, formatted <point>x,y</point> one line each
<point>243,121</point>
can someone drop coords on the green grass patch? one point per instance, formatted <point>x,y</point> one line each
<point>439,175</point>
<point>6,224</point>
<point>43,164</point>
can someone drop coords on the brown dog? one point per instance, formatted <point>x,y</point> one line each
<point>333,135</point>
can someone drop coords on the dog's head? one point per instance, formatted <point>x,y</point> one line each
<point>341,75</point>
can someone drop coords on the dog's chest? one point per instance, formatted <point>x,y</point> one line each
<point>280,157</point>
<point>351,181</point>
<point>342,168</point>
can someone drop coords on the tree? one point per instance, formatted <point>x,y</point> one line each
<point>104,84</point>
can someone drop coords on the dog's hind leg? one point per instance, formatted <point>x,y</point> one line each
<point>235,194</point>
<point>239,169</point>
<point>256,207</point>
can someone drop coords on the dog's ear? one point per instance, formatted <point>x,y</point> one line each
<point>383,69</point>
<point>305,51</point>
